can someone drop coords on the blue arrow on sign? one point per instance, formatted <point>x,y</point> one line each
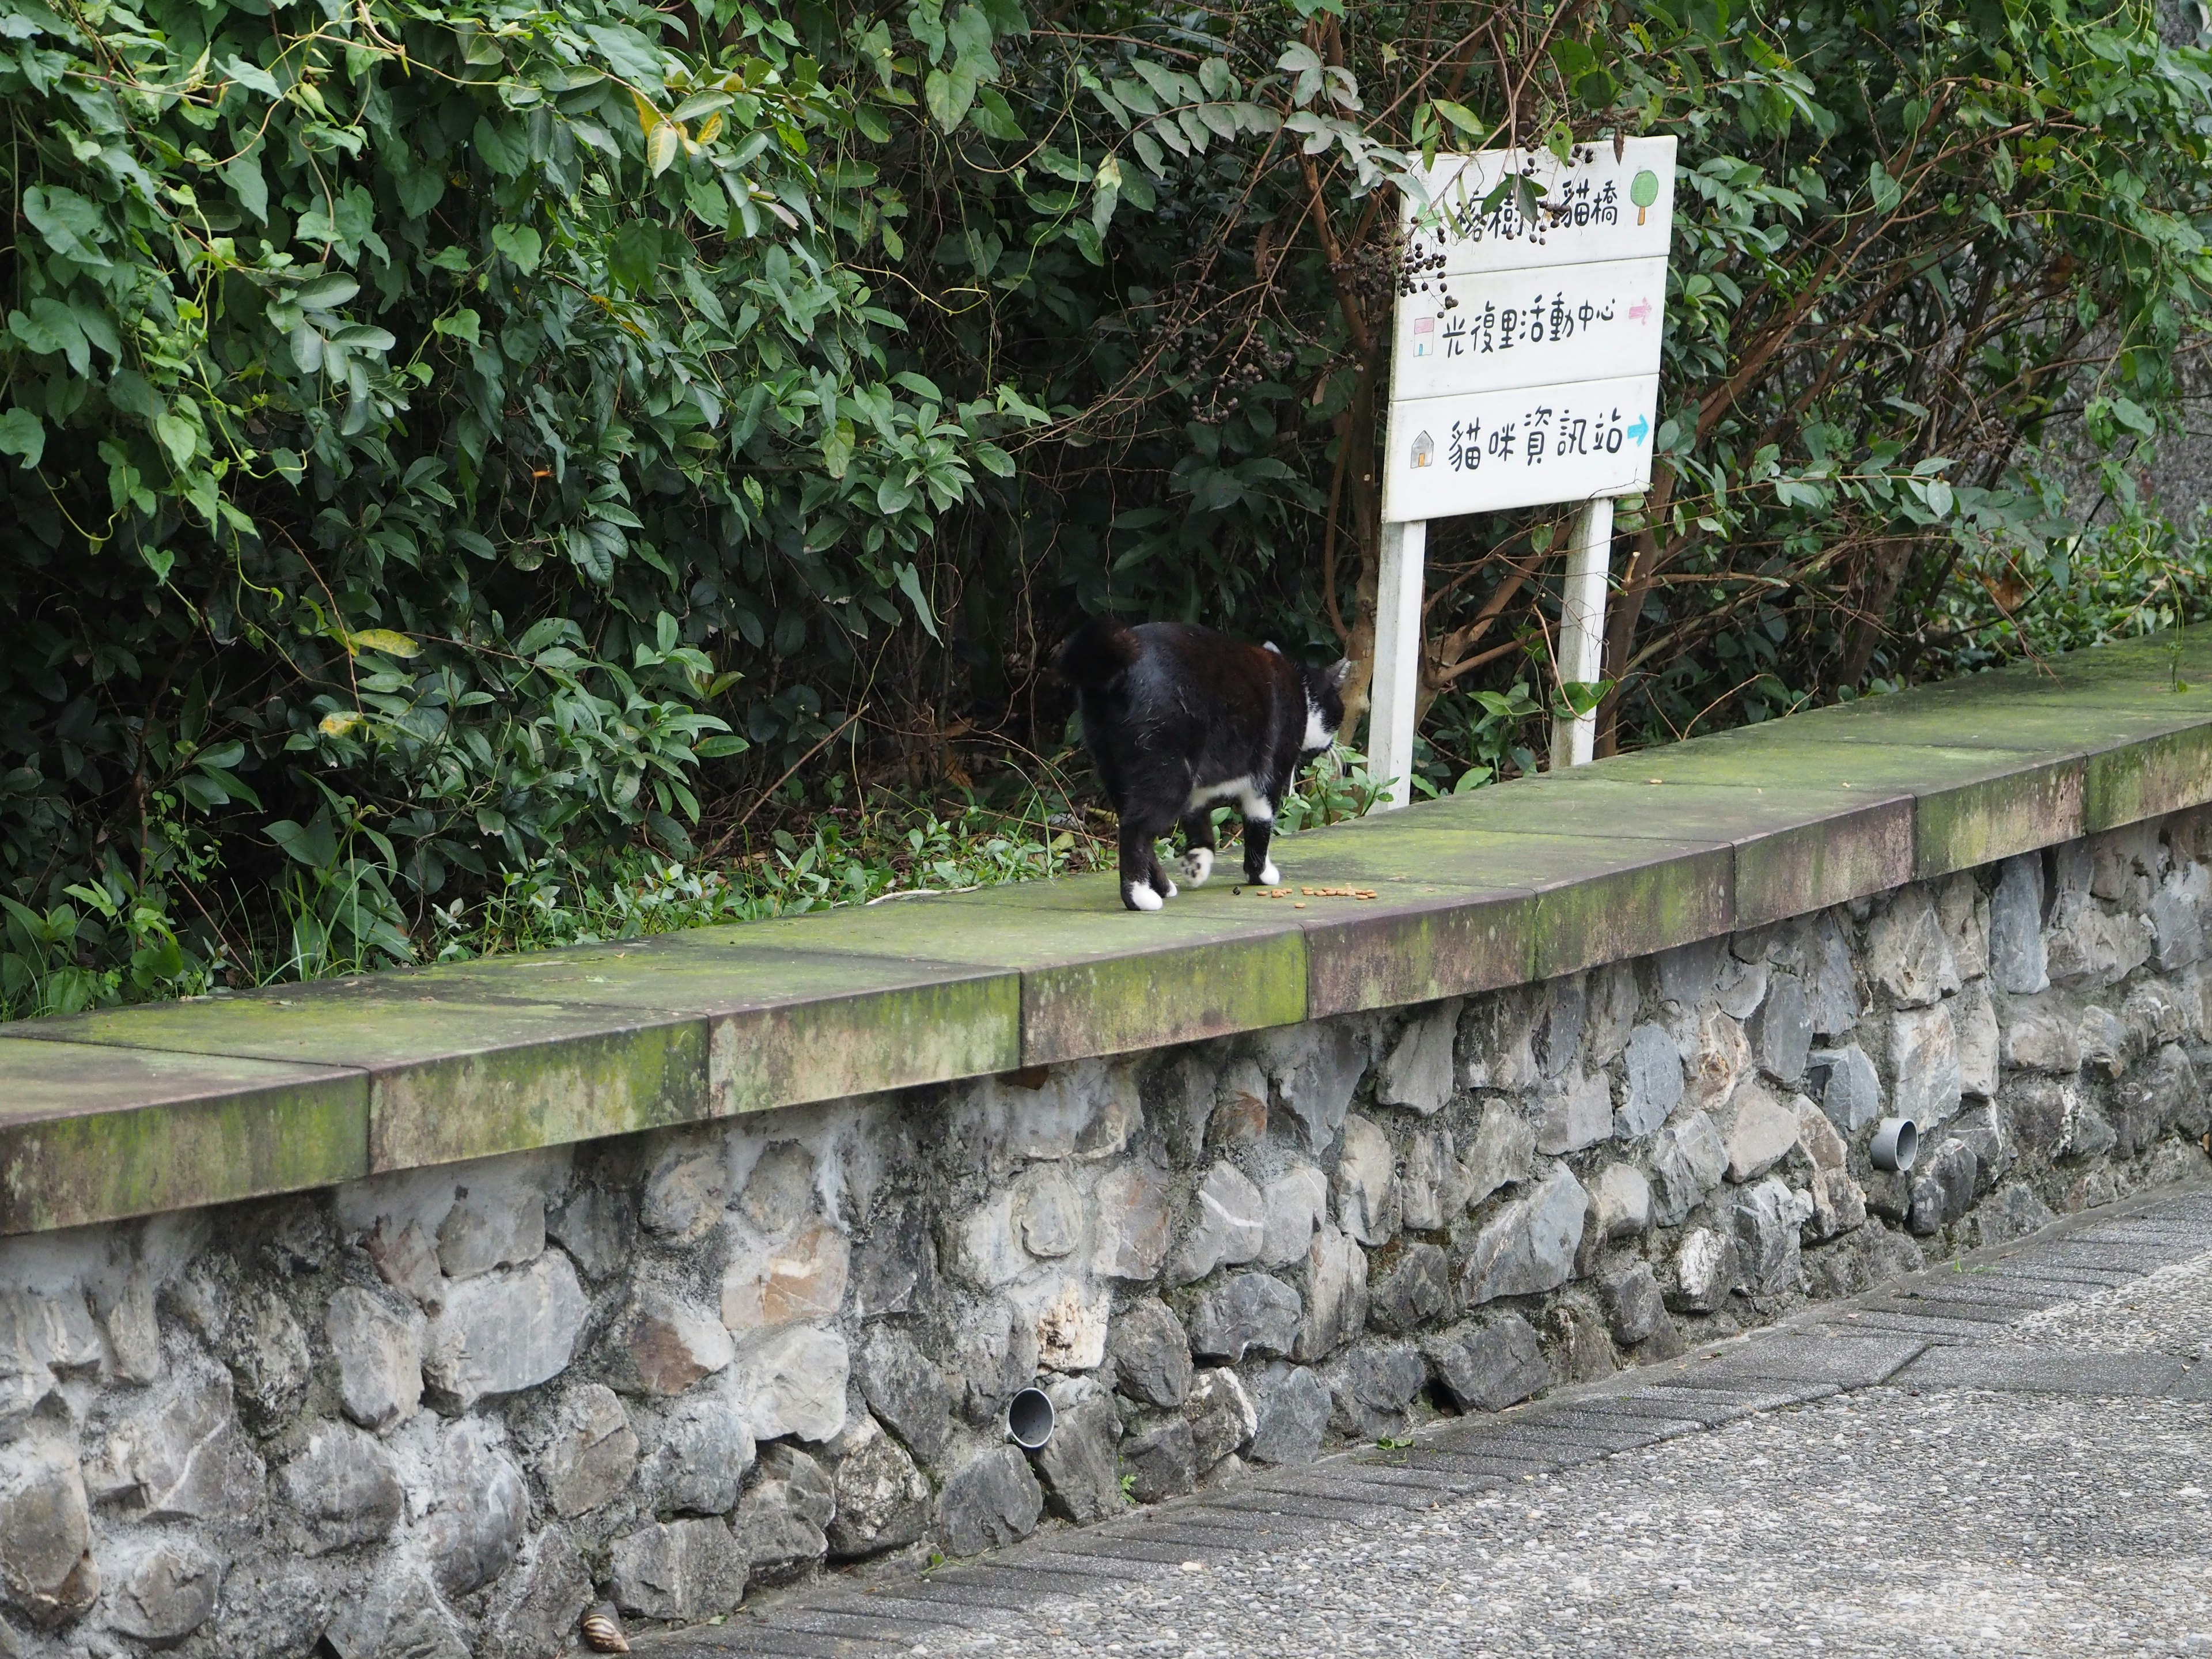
<point>1641,430</point>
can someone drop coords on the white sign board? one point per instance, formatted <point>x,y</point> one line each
<point>1525,366</point>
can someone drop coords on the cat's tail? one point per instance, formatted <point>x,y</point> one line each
<point>1096,655</point>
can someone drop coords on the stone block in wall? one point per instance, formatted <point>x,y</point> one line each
<point>1078,1467</point>
<point>1503,1152</point>
<point>1561,1011</point>
<point>1739,987</point>
<point>686,1186</point>
<point>1756,1129</point>
<point>1839,1202</point>
<point>589,1451</point>
<point>894,1270</point>
<point>378,1345</point>
<point>493,1223</point>
<point>504,1332</point>
<point>1688,1162</point>
<point>1493,1051</point>
<point>2036,1110</point>
<point>796,1276</point>
<point>701,1448</point>
<point>1316,1069</point>
<point>1943,1187</point>
<point>46,1569</point>
<point>1529,1245</point>
<point>1067,1316</point>
<point>1613,997</point>
<point>1161,1458</point>
<point>1408,1287</point>
<point>1221,1414</point>
<point>1688,973</point>
<point>2157,1013</point>
<point>994,1501</point>
<point>2042,1033</point>
<point>1634,1311</point>
<point>181,1455</point>
<point>781,1522</point>
<point>161,1591</point>
<point>1245,1313</point>
<point>534,1609</point>
<point>992,1352</point>
<point>1974,1017</point>
<point>345,1488</point>
<point>1151,1354</point>
<point>1365,1183</point>
<point>1227,1226</point>
<point>396,1613</point>
<point>794,1382</point>
<point>1832,988</point>
<point>2088,945</point>
<point>881,1499</point>
<point>1335,1306</point>
<point>1908,953</point>
<point>1716,1058</point>
<point>1781,1032</point>
<point>905,1387</point>
<point>2018,961</point>
<point>1620,1202</point>
<point>1130,1222</point>
<point>686,1569</point>
<point>1764,1218</point>
<point>597,1227</point>
<point>2105,1042</point>
<point>1845,1081</point>
<point>2177,917</point>
<point>1964,912</point>
<point>1574,1111</point>
<point>661,1345</point>
<point>479,1510</point>
<point>1706,1269</point>
<point>1432,1184</point>
<point>1370,1386</point>
<point>1923,1064</point>
<point>1655,1083</point>
<point>1418,1074</point>
<point>1488,1364</point>
<point>1294,1205</point>
<point>2165,1094</point>
<point>1292,1405</point>
<point>260,1340</point>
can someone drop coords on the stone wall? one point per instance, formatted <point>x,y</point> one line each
<point>437,1414</point>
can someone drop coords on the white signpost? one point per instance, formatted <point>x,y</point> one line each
<point>1524,369</point>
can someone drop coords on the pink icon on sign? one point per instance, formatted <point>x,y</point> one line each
<point>1639,311</point>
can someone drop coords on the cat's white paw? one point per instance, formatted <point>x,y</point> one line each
<point>1144,898</point>
<point>1170,893</point>
<point>1270,876</point>
<point>1198,865</point>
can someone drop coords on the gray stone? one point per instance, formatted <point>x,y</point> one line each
<point>597,1227</point>
<point>1227,1116</point>
<point>344,1486</point>
<point>378,1348</point>
<point>702,1451</point>
<point>2105,1042</point>
<point>882,1501</point>
<point>1975,1017</point>
<point>2042,1034</point>
<point>2166,1094</point>
<point>2037,1110</point>
<point>994,1502</point>
<point>494,1224</point>
<point>1781,1033</point>
<point>480,1511</point>
<point>46,1569</point>
<point>906,1390</point>
<point>1486,1364</point>
<point>1982,1129</point>
<point>1688,1162</point>
<point>164,1592</point>
<point>782,1519</point>
<point>1943,1187</point>
<point>1417,1075</point>
<point>1336,1295</point>
<point>181,1456</point>
<point>2018,962</point>
<point>1740,986</point>
<point>1492,1050</point>
<point>1432,1187</point>
<point>1573,1112</point>
<point>1620,1202</point>
<point>996,1353</point>
<point>1765,1218</point>
<point>1316,1069</point>
<point>1047,1214</point>
<point>1293,1408</point>
<point>1227,1227</point>
<point>1066,1317</point>
<point>1366,1183</point>
<point>1756,1129</point>
<point>1923,1060</point>
<point>1151,1354</point>
<point>1844,1082</point>
<point>134,1335</point>
<point>1655,1083</point>
<point>1634,1311</point>
<point>535,1608</point>
<point>593,1451</point>
<point>1245,1313</point>
<point>1716,1058</point>
<point>985,1248</point>
<point>1412,1287</point>
<point>2087,945</point>
<point>1294,1203</point>
<point>895,1270</point>
<point>1838,1201</point>
<point>2011,1212</point>
<point>796,1276</point>
<point>2088,1134</point>
<point>2177,917</point>
<point>660,1345</point>
<point>397,1616</point>
<point>686,1187</point>
<point>267,1352</point>
<point>1705,1270</point>
<point>793,1381</point>
<point>1908,953</point>
<point>1504,1147</point>
<point>1221,1415</point>
<point>1161,1458</point>
<point>1370,1386</point>
<point>779,1190</point>
<point>1687,973</point>
<point>1964,913</point>
<point>1131,1222</point>
<point>1832,990</point>
<point>1613,997</point>
<point>503,1332</point>
<point>687,1569</point>
<point>1529,1245</point>
<point>1079,1467</point>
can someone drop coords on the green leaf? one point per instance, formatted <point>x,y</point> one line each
<point>1460,117</point>
<point>948,93</point>
<point>22,435</point>
<point>243,175</point>
<point>520,244</point>
<point>909,581</point>
<point>1107,192</point>
<point>1883,189</point>
<point>662,146</point>
<point>327,293</point>
<point>179,437</point>
<point>252,76</point>
<point>499,151</point>
<point>70,224</point>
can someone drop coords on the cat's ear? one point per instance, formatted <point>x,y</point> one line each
<point>1338,672</point>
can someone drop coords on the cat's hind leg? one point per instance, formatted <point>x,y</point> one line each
<point>1199,846</point>
<point>1258,828</point>
<point>1145,885</point>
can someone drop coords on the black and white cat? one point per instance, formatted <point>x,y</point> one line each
<point>1179,719</point>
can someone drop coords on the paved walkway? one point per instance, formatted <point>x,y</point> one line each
<point>2012,1457</point>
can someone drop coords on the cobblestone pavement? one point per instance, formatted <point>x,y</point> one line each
<point>2012,1458</point>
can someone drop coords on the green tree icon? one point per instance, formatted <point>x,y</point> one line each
<point>1644,190</point>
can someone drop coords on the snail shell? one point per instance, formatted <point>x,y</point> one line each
<point>603,1635</point>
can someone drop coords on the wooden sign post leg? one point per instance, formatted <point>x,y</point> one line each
<point>1582,626</point>
<point>1396,685</point>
